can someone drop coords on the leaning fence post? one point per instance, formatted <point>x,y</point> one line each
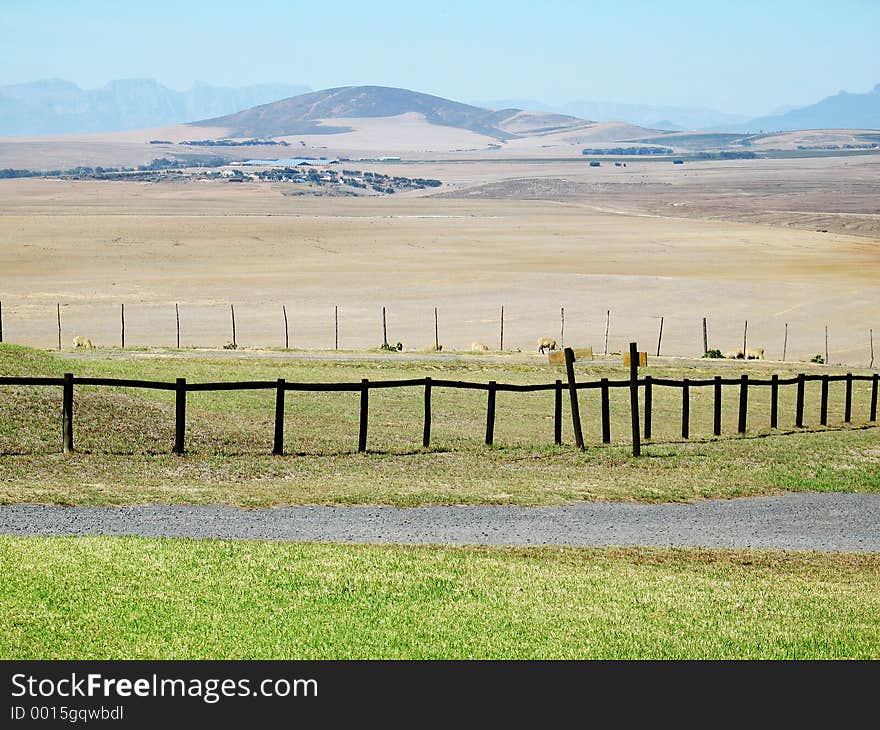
<point>177,317</point>
<point>365,407</point>
<point>649,398</point>
<point>606,412</point>
<point>743,402</point>
<point>557,413</point>
<point>179,415</point>
<point>232,311</point>
<point>572,392</point>
<point>490,414</point>
<point>58,314</point>
<point>67,414</point>
<point>847,407</point>
<point>823,403</point>
<point>716,428</point>
<point>278,444</point>
<point>426,433</point>
<point>873,416</point>
<point>774,401</point>
<point>799,406</point>
<point>122,318</point>
<point>286,332</point>
<point>660,337</point>
<point>685,409</point>
<point>634,397</point>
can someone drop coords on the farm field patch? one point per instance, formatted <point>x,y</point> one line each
<point>120,598</point>
<point>124,437</point>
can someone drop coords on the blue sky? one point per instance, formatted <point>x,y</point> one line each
<point>745,57</point>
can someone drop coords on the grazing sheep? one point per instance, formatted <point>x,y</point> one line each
<point>479,347</point>
<point>83,342</point>
<point>431,348</point>
<point>547,343</point>
<point>734,354</point>
<point>755,353</point>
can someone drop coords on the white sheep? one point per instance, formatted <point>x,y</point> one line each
<point>547,343</point>
<point>755,353</point>
<point>479,347</point>
<point>734,354</point>
<point>83,342</point>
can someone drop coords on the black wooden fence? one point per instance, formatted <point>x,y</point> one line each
<point>644,385</point>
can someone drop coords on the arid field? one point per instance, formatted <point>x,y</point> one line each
<point>769,241</point>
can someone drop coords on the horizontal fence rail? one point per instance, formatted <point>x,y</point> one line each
<point>646,385</point>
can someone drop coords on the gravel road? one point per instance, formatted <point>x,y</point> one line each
<point>825,522</point>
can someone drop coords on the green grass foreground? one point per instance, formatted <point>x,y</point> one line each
<point>124,437</point>
<point>134,598</point>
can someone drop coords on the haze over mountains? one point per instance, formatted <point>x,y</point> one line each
<point>54,107</point>
<point>57,107</point>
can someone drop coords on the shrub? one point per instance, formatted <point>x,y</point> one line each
<point>230,346</point>
<point>818,358</point>
<point>392,348</point>
<point>714,354</point>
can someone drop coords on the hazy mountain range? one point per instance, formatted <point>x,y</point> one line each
<point>61,107</point>
<point>674,118</point>
<point>841,111</point>
<point>56,107</point>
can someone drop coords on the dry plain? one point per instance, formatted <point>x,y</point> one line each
<point>771,241</point>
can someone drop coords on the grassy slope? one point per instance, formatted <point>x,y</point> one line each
<point>96,598</point>
<point>124,438</point>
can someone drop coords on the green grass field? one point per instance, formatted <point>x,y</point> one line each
<point>115,598</point>
<point>124,438</point>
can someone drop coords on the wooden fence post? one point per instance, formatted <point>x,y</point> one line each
<point>177,316</point>
<point>716,427</point>
<point>232,310</point>
<point>1,324</point>
<point>874,382</point>
<point>58,313</point>
<point>685,409</point>
<point>278,444</point>
<point>490,414</point>
<point>870,337</point>
<point>774,401</point>
<point>557,413</point>
<point>67,414</point>
<point>122,317</point>
<point>649,398</point>
<point>179,415</point>
<point>847,407</point>
<point>286,331</point>
<point>562,327</point>
<point>745,336</point>
<point>827,362</point>
<point>365,407</point>
<point>799,406</point>
<point>823,403</point>
<point>336,326</point>
<point>502,329</point>
<point>384,329</point>
<point>436,331</point>
<point>606,413</point>
<point>705,337</point>
<point>607,326</point>
<point>634,397</point>
<point>660,337</point>
<point>743,403</point>
<point>426,432</point>
<point>573,396</point>
<point>785,343</point>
